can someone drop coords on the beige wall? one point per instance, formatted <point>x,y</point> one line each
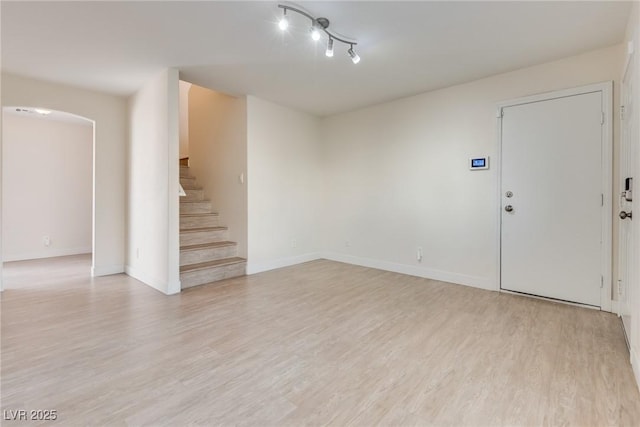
<point>396,177</point>
<point>48,187</point>
<point>109,168</point>
<point>153,180</point>
<point>184,119</point>
<point>284,185</point>
<point>218,156</point>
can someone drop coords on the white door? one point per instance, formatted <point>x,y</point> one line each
<point>552,198</point>
<point>625,241</point>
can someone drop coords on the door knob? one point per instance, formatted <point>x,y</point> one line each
<point>509,208</point>
<point>625,215</point>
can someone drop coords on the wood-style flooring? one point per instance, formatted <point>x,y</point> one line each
<point>314,344</point>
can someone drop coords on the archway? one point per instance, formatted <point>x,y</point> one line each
<point>48,185</point>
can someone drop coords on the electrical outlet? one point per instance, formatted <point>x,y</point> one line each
<point>294,243</point>
<point>46,240</point>
<point>419,254</point>
<point>347,243</point>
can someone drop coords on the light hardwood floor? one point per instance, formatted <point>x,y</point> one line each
<point>318,343</point>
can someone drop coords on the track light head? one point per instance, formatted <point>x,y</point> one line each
<point>284,22</point>
<point>354,56</point>
<point>329,51</point>
<point>315,31</point>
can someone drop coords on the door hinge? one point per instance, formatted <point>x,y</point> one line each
<point>622,112</point>
<point>601,199</point>
<point>500,113</point>
<point>602,118</point>
<point>601,282</point>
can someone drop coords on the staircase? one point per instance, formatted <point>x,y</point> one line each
<point>205,253</point>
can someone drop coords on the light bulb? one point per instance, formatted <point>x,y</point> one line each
<point>284,22</point>
<point>315,33</point>
<point>354,56</point>
<point>329,51</point>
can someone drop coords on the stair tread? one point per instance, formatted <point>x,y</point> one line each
<point>195,230</point>
<point>208,264</point>
<point>208,245</point>
<point>195,201</point>
<point>200,214</point>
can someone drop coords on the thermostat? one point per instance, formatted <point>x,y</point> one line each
<point>478,163</point>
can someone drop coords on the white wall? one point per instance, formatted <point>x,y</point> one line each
<point>633,36</point>
<point>184,88</point>
<point>396,175</point>
<point>152,211</point>
<point>218,156</point>
<point>48,187</point>
<point>109,114</point>
<point>283,186</point>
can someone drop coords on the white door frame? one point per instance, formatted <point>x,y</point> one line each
<point>617,305</point>
<point>607,177</point>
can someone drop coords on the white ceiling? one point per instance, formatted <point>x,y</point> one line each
<point>236,47</point>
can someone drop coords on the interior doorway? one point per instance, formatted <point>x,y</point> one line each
<point>47,187</point>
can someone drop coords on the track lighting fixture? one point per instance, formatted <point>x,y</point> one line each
<point>318,25</point>
<point>329,51</point>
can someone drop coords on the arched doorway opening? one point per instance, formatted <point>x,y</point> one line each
<point>48,192</point>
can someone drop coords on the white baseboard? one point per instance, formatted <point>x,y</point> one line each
<point>47,253</point>
<point>106,270</point>
<point>174,288</point>
<point>412,270</point>
<point>635,365</point>
<point>253,268</point>
<point>615,308</point>
<point>147,279</point>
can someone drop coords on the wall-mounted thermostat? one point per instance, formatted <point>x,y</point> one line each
<point>478,163</point>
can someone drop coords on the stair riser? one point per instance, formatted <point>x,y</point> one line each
<point>197,207</point>
<point>188,184</point>
<point>208,275</point>
<point>187,223</point>
<point>200,237</point>
<point>196,256</point>
<point>193,195</point>
<point>185,174</point>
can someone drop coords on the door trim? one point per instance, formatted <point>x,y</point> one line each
<point>618,305</point>
<point>607,178</point>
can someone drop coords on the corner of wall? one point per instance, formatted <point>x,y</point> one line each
<point>173,184</point>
